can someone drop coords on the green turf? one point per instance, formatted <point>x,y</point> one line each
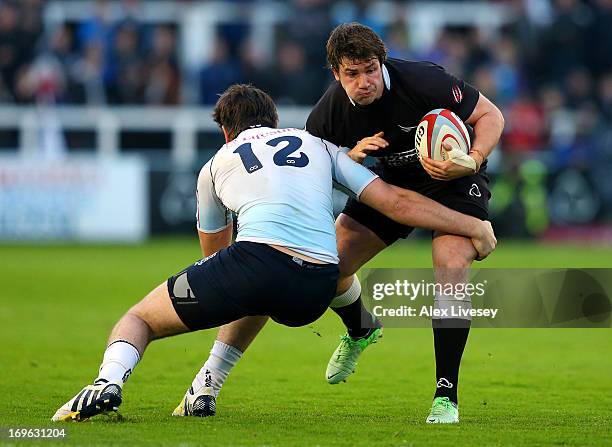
<point>518,387</point>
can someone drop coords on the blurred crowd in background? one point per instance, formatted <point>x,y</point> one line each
<point>546,63</point>
<point>549,69</point>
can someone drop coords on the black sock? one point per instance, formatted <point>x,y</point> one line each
<point>450,337</point>
<point>356,317</point>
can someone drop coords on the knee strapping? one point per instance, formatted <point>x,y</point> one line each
<point>348,297</point>
<point>453,307</point>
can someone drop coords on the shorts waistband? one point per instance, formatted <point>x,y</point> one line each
<point>287,257</point>
<point>308,264</point>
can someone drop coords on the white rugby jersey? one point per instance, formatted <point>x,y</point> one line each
<point>279,183</point>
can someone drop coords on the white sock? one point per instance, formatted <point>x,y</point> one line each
<point>120,359</point>
<point>218,366</point>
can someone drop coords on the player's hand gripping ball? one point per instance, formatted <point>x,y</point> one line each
<point>443,126</point>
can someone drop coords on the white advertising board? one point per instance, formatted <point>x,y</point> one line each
<point>82,199</point>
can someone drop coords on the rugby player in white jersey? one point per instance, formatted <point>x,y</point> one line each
<point>284,261</point>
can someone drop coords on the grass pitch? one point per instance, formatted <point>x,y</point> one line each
<point>518,386</point>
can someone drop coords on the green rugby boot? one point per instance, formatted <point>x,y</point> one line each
<point>443,411</point>
<point>344,359</point>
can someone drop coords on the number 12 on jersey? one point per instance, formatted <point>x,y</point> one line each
<point>281,158</point>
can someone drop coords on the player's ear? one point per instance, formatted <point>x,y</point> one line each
<point>336,75</point>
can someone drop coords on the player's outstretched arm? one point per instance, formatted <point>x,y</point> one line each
<point>413,209</point>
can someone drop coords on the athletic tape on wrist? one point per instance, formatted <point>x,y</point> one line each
<point>348,297</point>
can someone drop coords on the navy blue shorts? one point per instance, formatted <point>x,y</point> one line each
<point>249,278</point>
<point>469,195</point>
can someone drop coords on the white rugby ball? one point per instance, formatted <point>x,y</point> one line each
<point>442,125</point>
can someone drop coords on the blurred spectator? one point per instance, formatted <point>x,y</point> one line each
<point>162,84</point>
<point>31,26</point>
<point>98,28</point>
<point>219,74</point>
<point>43,81</point>
<point>309,26</point>
<point>125,80</point>
<point>605,97</point>
<point>397,40</point>
<point>5,95</point>
<point>506,70</point>
<point>484,80</point>
<point>561,120</point>
<point>356,11</point>
<point>579,88</point>
<point>525,128</point>
<point>448,51</point>
<point>87,73</point>
<point>255,67</point>
<point>11,54</point>
<point>589,127</point>
<point>60,49</point>
<point>60,46</point>
<point>479,51</point>
<point>566,39</point>
<point>131,11</point>
<point>235,33</point>
<point>294,82</point>
<point>561,126</point>
<point>600,45</point>
<point>456,51</point>
<point>527,32</point>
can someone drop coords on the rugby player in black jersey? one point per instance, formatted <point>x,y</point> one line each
<point>373,109</point>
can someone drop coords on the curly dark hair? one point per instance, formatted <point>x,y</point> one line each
<point>354,42</point>
<point>242,106</point>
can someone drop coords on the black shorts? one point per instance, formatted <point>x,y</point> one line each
<point>469,195</point>
<point>248,278</point>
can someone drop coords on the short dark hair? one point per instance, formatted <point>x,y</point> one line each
<point>355,42</point>
<point>242,106</point>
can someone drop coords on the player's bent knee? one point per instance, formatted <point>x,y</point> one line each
<point>157,312</point>
<point>458,255</point>
<point>348,294</point>
<point>356,245</point>
<point>347,268</point>
<point>344,283</point>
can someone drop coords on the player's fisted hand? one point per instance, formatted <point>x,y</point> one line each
<point>367,146</point>
<point>486,242</point>
<point>444,170</point>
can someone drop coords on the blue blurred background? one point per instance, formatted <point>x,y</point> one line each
<point>105,105</point>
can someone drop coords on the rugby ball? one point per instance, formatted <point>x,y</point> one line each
<point>442,125</point>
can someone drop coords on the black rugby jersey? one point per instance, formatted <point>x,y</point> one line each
<point>411,90</point>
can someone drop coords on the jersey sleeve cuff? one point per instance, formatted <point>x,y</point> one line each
<point>358,193</point>
<point>202,230</point>
<point>469,104</point>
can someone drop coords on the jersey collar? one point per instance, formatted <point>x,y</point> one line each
<point>386,80</point>
<point>386,77</point>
